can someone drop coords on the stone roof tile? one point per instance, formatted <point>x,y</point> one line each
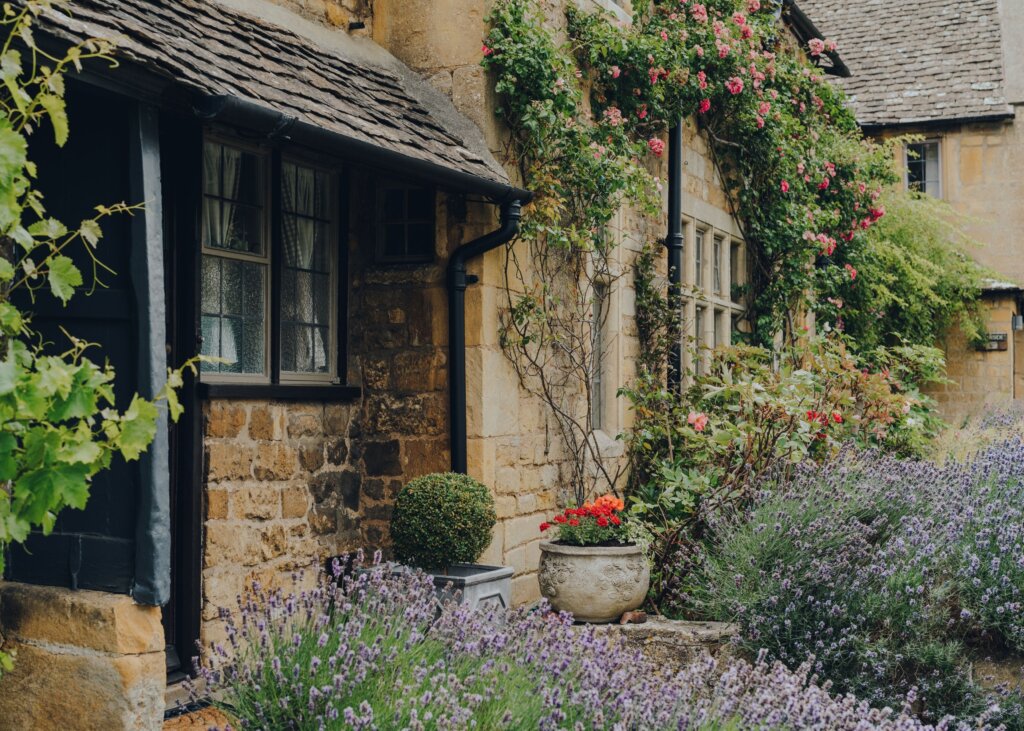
<point>917,60</point>
<point>217,50</point>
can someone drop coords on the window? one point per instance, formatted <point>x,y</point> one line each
<point>599,314</point>
<point>701,336</point>
<point>734,267</point>
<point>923,174</point>
<point>235,261</point>
<point>716,266</point>
<point>242,256</point>
<point>405,234</point>
<point>698,253</point>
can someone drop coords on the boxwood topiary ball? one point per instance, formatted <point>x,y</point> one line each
<point>442,519</point>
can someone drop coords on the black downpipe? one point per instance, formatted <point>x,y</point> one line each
<point>458,280</point>
<point>674,244</point>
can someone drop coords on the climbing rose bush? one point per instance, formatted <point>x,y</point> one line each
<point>372,650</point>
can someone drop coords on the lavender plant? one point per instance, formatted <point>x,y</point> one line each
<point>892,574</point>
<point>373,650</point>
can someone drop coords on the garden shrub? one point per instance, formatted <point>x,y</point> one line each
<point>702,450</point>
<point>442,519</point>
<point>892,574</point>
<point>374,650</point>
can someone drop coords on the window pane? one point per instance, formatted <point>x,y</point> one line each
<point>243,177</point>
<point>306,276</point>
<point>394,239</point>
<point>233,206</point>
<point>923,172</point>
<point>321,354</point>
<point>394,204</point>
<point>211,168</point>
<point>323,195</point>
<point>288,186</point>
<point>421,205</point>
<point>233,305</point>
<point>421,239</point>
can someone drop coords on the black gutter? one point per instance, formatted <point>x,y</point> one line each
<point>273,124</point>
<point>674,245</point>
<point>458,281</point>
<point>805,30</point>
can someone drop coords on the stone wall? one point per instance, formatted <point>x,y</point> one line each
<point>398,341</point>
<point>980,166</point>
<point>288,484</point>
<point>83,659</point>
<point>979,378</point>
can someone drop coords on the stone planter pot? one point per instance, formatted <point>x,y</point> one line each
<point>595,583</point>
<point>474,584</point>
<point>478,585</point>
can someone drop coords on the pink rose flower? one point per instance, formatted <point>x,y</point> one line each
<point>699,13</point>
<point>704,106</point>
<point>734,85</point>
<point>753,6</point>
<point>851,271</point>
<point>784,186</point>
<point>656,146</point>
<point>616,72</point>
<point>487,50</point>
<point>698,421</point>
<point>816,46</point>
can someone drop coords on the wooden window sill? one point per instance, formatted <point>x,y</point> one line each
<point>280,392</point>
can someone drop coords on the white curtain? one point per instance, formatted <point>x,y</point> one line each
<point>300,238</point>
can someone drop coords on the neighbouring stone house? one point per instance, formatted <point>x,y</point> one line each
<point>309,167</point>
<point>952,73</point>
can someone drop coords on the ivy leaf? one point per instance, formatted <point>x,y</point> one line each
<point>64,277</point>
<point>138,427</point>
<point>55,107</point>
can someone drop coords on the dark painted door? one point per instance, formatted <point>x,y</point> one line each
<point>92,548</point>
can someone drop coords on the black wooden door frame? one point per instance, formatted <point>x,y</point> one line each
<point>181,150</point>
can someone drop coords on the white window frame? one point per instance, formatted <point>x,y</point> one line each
<point>266,259</point>
<point>937,141</point>
<point>331,376</point>
<point>269,261</point>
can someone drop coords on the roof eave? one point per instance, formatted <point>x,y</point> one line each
<point>936,122</point>
<point>242,112</point>
<point>805,30</point>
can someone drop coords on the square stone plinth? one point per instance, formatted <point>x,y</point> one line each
<point>83,659</point>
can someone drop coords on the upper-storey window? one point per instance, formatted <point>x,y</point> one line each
<point>923,171</point>
<point>268,297</point>
<point>405,232</point>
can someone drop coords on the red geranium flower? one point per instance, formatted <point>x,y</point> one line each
<point>545,526</point>
<point>573,522</point>
<point>602,521</point>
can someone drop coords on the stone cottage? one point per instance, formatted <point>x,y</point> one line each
<point>953,74</point>
<point>318,175</point>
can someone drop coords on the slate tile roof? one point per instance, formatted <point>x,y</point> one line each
<point>216,50</point>
<point>917,60</point>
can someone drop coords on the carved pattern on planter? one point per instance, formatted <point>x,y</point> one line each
<point>595,584</point>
